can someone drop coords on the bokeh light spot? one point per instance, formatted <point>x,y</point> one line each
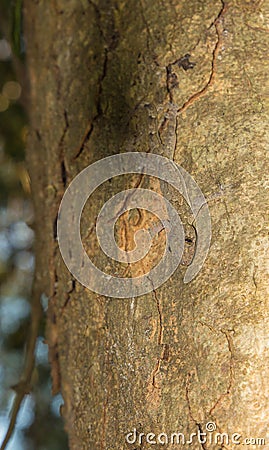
<point>12,90</point>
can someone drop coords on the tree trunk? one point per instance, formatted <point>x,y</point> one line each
<point>185,80</point>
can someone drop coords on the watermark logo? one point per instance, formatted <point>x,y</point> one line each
<point>88,180</point>
<point>210,436</point>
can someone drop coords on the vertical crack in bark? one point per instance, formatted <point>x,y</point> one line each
<point>86,138</point>
<point>194,97</point>
<point>146,25</point>
<point>89,129</point>
<point>168,78</point>
<point>61,142</point>
<point>171,79</point>
<point>231,366</point>
<point>61,150</point>
<point>160,334</point>
<point>254,279</point>
<point>231,370</point>
<point>52,328</point>
<point>100,88</point>
<point>171,112</point>
<point>187,392</point>
<point>103,441</point>
<point>203,91</point>
<point>157,367</point>
<point>170,122</point>
<point>69,293</point>
<point>199,426</point>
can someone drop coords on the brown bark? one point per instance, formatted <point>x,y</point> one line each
<point>105,76</point>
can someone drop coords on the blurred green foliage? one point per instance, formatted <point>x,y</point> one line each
<point>12,14</point>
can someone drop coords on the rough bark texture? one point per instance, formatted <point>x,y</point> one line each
<point>108,77</point>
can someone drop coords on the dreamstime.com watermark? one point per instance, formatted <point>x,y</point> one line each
<point>88,180</point>
<point>209,436</point>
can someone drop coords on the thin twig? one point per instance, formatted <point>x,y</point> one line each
<point>24,385</point>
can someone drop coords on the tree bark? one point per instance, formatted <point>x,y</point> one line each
<point>114,76</point>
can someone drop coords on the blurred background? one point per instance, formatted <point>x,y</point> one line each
<point>39,425</point>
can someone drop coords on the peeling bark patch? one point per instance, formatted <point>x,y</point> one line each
<point>185,62</point>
